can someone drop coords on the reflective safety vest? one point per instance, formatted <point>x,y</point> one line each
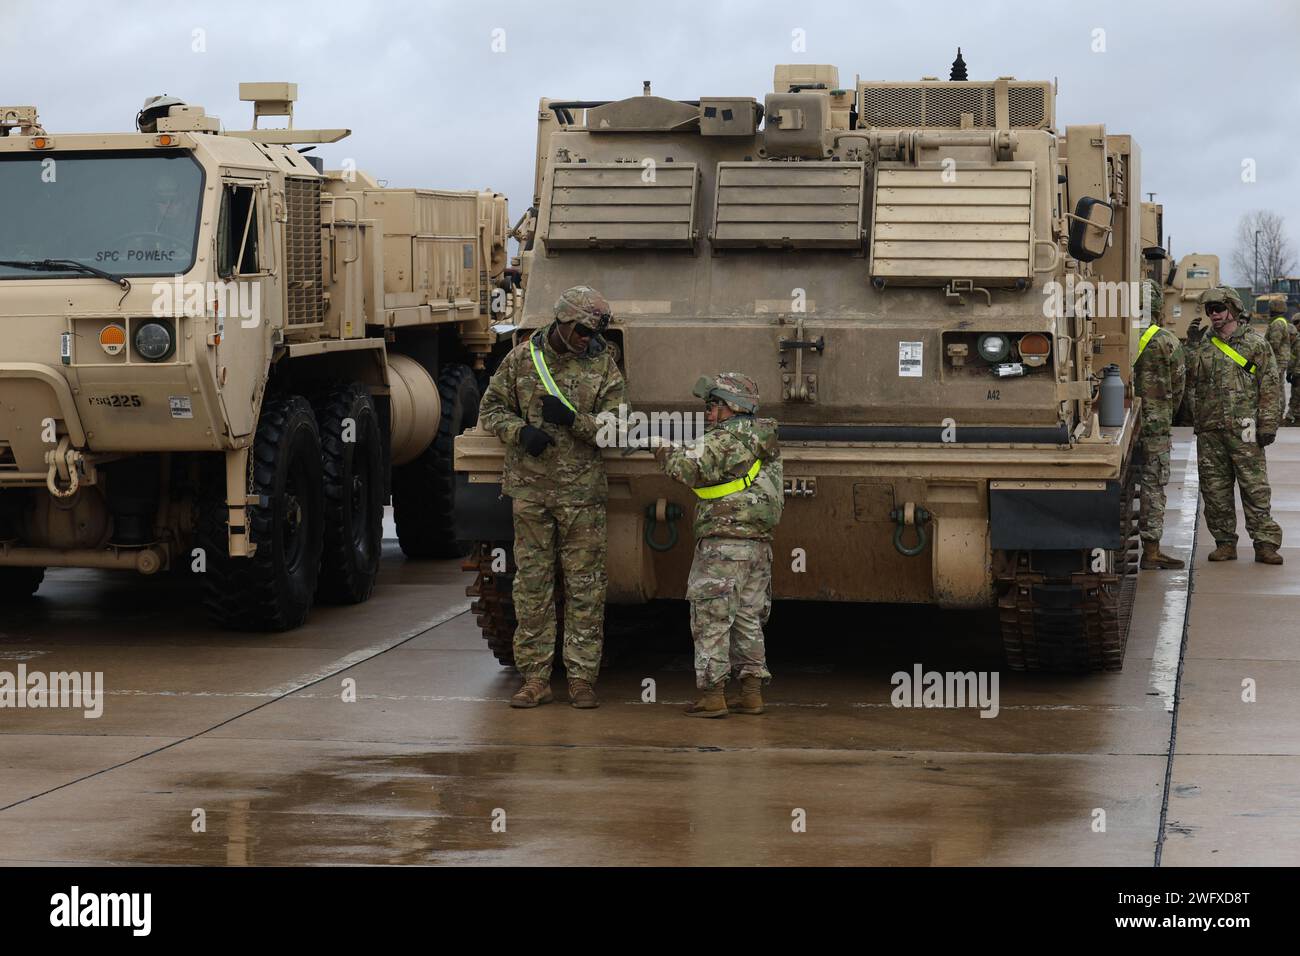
<point>1147,336</point>
<point>544,373</point>
<point>730,487</point>
<point>1233,354</point>
<point>1281,318</point>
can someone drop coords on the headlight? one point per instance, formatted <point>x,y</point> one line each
<point>154,341</point>
<point>994,346</point>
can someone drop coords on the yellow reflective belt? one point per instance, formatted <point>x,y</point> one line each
<point>1233,354</point>
<point>727,487</point>
<point>544,373</point>
<point>1146,337</point>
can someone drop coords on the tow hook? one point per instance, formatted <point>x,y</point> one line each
<point>917,517</point>
<point>66,466</point>
<point>661,512</point>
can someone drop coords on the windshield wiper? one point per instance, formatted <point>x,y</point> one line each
<point>64,265</point>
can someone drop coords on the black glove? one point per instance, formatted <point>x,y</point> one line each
<point>1194,331</point>
<point>534,440</point>
<point>1265,439</point>
<point>555,412</point>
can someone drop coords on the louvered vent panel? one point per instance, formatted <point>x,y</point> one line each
<point>979,226</point>
<point>610,205</point>
<point>304,302</point>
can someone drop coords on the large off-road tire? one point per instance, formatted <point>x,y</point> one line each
<point>20,584</point>
<point>424,490</point>
<point>273,590</point>
<point>353,463</point>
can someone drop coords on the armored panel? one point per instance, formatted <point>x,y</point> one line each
<point>930,226</point>
<point>789,205</point>
<point>304,302</point>
<point>608,205</point>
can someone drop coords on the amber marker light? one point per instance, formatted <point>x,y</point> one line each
<point>112,339</point>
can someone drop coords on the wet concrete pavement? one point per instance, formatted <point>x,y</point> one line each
<point>252,734</point>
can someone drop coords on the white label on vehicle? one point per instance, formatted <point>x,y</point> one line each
<point>1178,310</point>
<point>180,406</point>
<point>909,359</point>
<point>65,346</point>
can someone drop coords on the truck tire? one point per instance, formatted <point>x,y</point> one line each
<point>424,490</point>
<point>353,465</point>
<point>20,584</point>
<point>273,590</point>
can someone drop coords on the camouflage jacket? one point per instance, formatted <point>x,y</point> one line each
<point>1294,338</point>
<point>572,466</point>
<point>1222,394</point>
<point>1158,378</point>
<point>1279,334</point>
<point>728,451</point>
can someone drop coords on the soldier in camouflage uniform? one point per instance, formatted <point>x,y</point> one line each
<point>1293,373</point>
<point>543,403</point>
<point>1158,378</point>
<point>1279,335</point>
<point>735,472</point>
<point>1233,382</point>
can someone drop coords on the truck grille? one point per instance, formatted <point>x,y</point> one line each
<point>304,303</point>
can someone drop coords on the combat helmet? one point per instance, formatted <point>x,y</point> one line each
<point>1223,293</point>
<point>736,389</point>
<point>1277,307</point>
<point>154,109</point>
<point>1157,297</point>
<point>584,304</point>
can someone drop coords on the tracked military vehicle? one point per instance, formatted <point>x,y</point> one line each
<point>921,276</point>
<point>219,357</point>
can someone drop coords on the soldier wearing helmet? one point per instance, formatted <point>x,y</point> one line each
<point>1278,334</point>
<point>1292,373</point>
<point>1232,378</point>
<point>1158,379</point>
<point>546,403</point>
<point>735,473</point>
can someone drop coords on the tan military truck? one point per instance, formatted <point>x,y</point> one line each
<point>912,273</point>
<point>219,357</point>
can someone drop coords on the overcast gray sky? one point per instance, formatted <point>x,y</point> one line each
<point>1202,85</point>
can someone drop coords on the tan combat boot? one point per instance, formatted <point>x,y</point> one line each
<point>751,697</point>
<point>534,691</point>
<point>1155,559</point>
<point>713,703</point>
<point>581,694</point>
<point>1267,554</point>
<point>1224,552</point>
<point>734,692</point>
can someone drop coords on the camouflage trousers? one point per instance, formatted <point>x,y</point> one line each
<point>1293,411</point>
<point>730,590</point>
<point>575,536</point>
<point>1154,477</point>
<point>1224,459</point>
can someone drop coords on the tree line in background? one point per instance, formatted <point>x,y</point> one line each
<point>1262,252</point>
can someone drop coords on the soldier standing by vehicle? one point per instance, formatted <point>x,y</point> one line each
<point>735,472</point>
<point>543,404</point>
<point>1233,381</point>
<point>1279,334</point>
<point>1158,378</point>
<point>1293,373</point>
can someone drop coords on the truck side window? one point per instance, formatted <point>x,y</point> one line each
<point>237,231</point>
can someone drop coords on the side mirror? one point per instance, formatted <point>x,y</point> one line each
<point>1090,229</point>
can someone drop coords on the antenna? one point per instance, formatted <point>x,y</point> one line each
<point>958,67</point>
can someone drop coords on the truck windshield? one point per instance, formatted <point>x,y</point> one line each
<point>130,214</point>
